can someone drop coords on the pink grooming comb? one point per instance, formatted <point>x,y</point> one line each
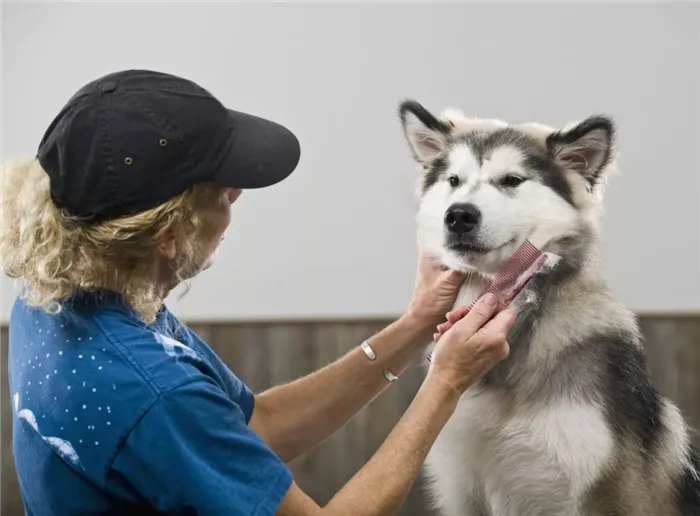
<point>509,281</point>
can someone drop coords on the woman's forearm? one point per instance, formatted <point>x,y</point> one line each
<point>380,487</point>
<point>466,351</point>
<point>294,417</point>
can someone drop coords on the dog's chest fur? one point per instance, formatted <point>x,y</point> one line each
<point>517,445</point>
<point>498,459</point>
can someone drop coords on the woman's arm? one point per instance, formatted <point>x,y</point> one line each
<point>294,417</point>
<point>379,488</point>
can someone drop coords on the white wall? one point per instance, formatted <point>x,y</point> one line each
<point>336,239</point>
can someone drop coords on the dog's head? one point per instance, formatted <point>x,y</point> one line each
<point>486,186</point>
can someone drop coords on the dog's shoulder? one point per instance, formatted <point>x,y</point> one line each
<point>609,368</point>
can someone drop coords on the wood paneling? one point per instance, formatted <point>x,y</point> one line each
<point>265,354</point>
<point>10,502</point>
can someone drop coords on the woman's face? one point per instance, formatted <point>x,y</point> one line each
<point>218,219</point>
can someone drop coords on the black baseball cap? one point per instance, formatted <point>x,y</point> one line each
<point>133,139</point>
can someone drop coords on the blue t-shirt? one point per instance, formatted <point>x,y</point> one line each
<point>114,416</point>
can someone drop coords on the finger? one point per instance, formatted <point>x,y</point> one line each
<point>445,330</point>
<point>478,316</point>
<point>442,328</point>
<point>442,331</point>
<point>501,323</point>
<point>457,314</point>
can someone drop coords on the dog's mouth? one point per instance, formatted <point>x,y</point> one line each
<point>472,248</point>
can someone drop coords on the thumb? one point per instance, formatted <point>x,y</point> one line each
<point>478,316</point>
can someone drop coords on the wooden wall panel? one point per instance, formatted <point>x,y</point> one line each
<point>10,503</point>
<point>265,354</point>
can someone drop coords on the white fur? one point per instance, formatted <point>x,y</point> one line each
<point>538,214</point>
<point>535,461</point>
<point>501,453</point>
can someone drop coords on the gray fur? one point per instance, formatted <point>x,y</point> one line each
<point>570,423</point>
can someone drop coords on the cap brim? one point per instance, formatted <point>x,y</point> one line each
<point>263,153</point>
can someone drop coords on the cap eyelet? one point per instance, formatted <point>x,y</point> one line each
<point>128,161</point>
<point>163,142</point>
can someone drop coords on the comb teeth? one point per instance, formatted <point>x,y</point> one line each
<point>517,271</point>
<point>522,259</point>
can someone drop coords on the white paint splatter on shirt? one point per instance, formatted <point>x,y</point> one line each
<point>62,447</point>
<point>174,348</point>
<point>28,416</point>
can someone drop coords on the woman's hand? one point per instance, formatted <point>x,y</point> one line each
<point>471,346</point>
<point>434,293</point>
<point>452,317</point>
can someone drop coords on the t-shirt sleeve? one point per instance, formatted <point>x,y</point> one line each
<point>193,451</point>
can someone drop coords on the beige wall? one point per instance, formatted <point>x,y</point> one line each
<point>268,353</point>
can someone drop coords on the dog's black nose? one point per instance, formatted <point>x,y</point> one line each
<point>462,218</point>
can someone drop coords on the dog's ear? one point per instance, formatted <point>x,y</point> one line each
<point>585,148</point>
<point>427,136</point>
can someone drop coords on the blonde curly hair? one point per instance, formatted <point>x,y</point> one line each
<point>55,254</point>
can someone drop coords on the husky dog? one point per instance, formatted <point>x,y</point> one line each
<point>570,423</point>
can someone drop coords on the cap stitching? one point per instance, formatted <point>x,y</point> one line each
<point>169,87</point>
<point>183,87</point>
<point>203,160</point>
<point>105,112</point>
<point>160,120</point>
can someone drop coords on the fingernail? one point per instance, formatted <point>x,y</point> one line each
<point>489,300</point>
<point>436,336</point>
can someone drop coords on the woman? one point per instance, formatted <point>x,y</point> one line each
<point>121,408</point>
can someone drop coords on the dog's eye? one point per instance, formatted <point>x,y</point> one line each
<point>511,181</point>
<point>454,181</point>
